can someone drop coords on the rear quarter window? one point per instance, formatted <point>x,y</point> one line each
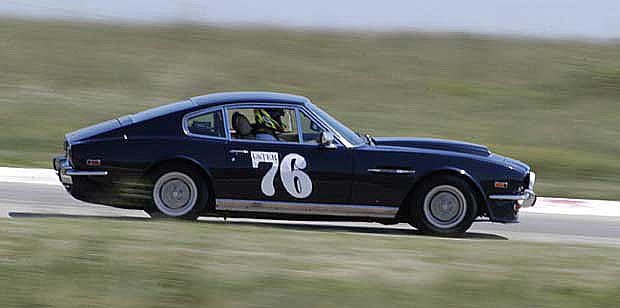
<point>207,124</point>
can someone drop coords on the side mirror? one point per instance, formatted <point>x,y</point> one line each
<point>327,140</point>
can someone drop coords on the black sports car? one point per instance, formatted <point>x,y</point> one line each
<point>271,155</point>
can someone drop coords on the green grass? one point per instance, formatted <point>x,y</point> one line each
<point>108,263</point>
<point>552,104</point>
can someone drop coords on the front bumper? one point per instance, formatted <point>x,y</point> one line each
<point>505,208</point>
<point>524,200</point>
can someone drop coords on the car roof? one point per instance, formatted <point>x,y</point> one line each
<point>213,100</point>
<point>239,97</point>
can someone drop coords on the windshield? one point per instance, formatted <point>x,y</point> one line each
<point>340,128</point>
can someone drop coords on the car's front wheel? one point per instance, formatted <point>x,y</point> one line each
<point>444,205</point>
<point>178,192</point>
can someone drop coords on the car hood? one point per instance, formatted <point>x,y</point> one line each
<point>511,163</point>
<point>435,144</point>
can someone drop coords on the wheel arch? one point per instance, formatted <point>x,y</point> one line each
<point>404,210</point>
<point>187,161</point>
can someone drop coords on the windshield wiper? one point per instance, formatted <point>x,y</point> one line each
<point>370,140</point>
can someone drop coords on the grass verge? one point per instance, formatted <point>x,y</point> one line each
<point>109,263</point>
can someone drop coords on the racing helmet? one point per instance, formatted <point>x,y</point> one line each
<point>270,118</point>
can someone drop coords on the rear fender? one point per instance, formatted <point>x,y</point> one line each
<point>181,159</point>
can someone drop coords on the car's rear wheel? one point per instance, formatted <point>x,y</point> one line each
<point>444,205</point>
<point>178,192</point>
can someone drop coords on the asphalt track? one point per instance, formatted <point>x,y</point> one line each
<point>41,201</point>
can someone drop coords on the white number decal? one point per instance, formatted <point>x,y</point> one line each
<point>296,182</point>
<point>266,185</point>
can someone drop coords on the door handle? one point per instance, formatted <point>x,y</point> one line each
<point>238,152</point>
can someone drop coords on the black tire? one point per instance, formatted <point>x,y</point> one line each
<point>178,191</point>
<point>443,205</point>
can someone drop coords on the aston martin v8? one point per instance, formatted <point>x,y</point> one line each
<point>279,156</point>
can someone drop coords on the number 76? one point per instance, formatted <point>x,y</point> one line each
<point>296,182</point>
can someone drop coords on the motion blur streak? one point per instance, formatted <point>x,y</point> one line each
<point>551,101</point>
<point>60,252</point>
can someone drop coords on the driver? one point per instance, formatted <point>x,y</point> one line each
<point>268,122</point>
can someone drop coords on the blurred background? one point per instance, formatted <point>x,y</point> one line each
<point>538,81</point>
<point>535,80</point>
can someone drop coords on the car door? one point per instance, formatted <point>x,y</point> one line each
<point>290,170</point>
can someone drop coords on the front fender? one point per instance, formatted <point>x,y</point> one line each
<point>478,190</point>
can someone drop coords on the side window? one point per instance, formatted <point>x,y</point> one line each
<point>311,132</point>
<point>208,124</point>
<point>266,124</point>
